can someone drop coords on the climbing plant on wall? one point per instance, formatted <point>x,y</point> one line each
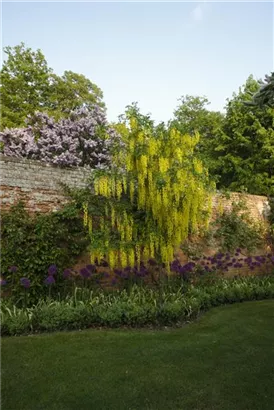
<point>155,193</point>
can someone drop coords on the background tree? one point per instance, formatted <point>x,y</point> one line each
<point>265,95</point>
<point>29,85</point>
<point>71,91</point>
<point>25,84</point>
<point>192,116</point>
<point>245,147</point>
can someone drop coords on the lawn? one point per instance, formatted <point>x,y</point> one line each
<point>224,360</point>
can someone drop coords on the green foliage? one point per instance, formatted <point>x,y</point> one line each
<point>235,229</point>
<point>33,243</point>
<point>155,193</point>
<point>243,154</point>
<point>25,86</point>
<point>29,85</point>
<point>271,222</point>
<point>192,116</point>
<point>237,147</point>
<point>139,307</point>
<point>265,95</point>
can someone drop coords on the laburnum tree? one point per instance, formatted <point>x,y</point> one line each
<point>244,151</point>
<point>28,84</point>
<point>156,192</point>
<point>82,139</point>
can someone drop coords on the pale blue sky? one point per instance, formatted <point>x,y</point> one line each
<point>149,52</point>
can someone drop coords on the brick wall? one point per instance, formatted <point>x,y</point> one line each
<point>37,184</point>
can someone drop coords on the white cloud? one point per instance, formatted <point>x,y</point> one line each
<point>197,13</point>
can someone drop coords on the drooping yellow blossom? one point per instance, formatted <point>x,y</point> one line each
<point>164,180</point>
<point>85,208</point>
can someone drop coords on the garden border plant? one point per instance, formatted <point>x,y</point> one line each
<point>141,307</point>
<point>32,243</point>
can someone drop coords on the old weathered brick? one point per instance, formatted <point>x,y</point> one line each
<point>38,185</point>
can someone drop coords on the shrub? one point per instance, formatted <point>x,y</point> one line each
<point>30,244</point>
<point>235,229</point>
<point>139,307</point>
<point>83,139</point>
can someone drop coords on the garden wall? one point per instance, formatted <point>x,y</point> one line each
<point>39,186</point>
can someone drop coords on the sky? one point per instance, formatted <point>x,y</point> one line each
<point>149,52</point>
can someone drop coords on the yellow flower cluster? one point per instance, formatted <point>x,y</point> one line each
<point>85,208</point>
<point>159,175</point>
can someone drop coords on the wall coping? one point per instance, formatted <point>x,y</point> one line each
<point>5,158</point>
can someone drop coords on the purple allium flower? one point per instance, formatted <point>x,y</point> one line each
<point>52,270</point>
<point>13,269</point>
<point>118,272</point>
<point>66,273</point>
<point>25,282</point>
<point>85,273</point>
<point>91,268</point>
<point>219,255</point>
<point>175,265</point>
<point>182,270</point>
<point>3,282</point>
<point>49,280</point>
<point>234,260</point>
<point>114,281</point>
<point>238,250</point>
<point>152,262</point>
<point>106,275</point>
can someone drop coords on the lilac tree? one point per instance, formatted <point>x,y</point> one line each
<point>83,139</point>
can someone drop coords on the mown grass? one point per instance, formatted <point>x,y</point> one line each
<point>224,360</point>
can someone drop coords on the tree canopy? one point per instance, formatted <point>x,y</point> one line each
<point>192,116</point>
<point>265,95</point>
<point>237,146</point>
<point>246,145</point>
<point>28,84</point>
